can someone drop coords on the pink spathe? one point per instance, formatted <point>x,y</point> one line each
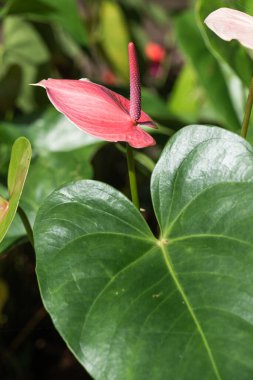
<point>98,111</point>
<point>101,112</point>
<point>230,24</point>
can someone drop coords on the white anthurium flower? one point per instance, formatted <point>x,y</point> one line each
<point>230,24</point>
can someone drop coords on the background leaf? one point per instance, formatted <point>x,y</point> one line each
<point>62,12</point>
<point>114,36</point>
<point>130,305</point>
<point>188,101</point>
<point>208,69</point>
<point>23,46</point>
<point>18,168</point>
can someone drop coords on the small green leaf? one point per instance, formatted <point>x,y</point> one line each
<point>18,168</point>
<point>16,232</point>
<point>133,306</point>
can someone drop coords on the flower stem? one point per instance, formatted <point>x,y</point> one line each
<point>132,176</point>
<point>26,224</point>
<point>248,108</point>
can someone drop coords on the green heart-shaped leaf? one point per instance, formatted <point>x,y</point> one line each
<point>133,306</point>
<point>19,163</point>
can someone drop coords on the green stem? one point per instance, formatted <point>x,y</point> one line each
<point>26,224</point>
<point>141,158</point>
<point>248,108</point>
<point>163,131</point>
<point>132,176</point>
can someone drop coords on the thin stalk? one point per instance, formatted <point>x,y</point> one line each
<point>163,131</point>
<point>26,224</point>
<point>140,158</point>
<point>248,108</point>
<point>132,176</point>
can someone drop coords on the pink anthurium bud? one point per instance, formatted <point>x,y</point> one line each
<point>230,24</point>
<point>101,112</point>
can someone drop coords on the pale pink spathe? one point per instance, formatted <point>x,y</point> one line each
<point>98,111</point>
<point>230,24</point>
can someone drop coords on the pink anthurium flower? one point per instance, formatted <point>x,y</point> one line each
<point>101,112</point>
<point>230,24</point>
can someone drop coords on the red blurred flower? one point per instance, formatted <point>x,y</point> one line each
<point>155,52</point>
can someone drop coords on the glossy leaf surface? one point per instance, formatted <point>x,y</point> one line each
<point>130,305</point>
<point>18,168</point>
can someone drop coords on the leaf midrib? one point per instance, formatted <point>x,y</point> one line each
<point>179,287</point>
<point>173,274</point>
